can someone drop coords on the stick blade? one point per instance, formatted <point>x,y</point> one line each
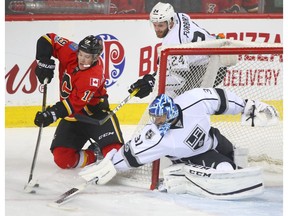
<point>31,186</point>
<point>67,196</point>
<point>87,119</point>
<point>66,208</point>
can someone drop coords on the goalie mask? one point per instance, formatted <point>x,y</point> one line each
<point>162,112</point>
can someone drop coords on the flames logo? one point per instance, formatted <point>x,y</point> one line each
<point>113,57</point>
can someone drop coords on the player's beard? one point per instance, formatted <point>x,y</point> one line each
<point>162,34</point>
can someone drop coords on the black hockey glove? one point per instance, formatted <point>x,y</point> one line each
<point>102,105</point>
<point>45,69</point>
<point>145,85</point>
<point>50,115</point>
<point>46,118</point>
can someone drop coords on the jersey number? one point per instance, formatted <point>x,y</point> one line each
<point>197,35</point>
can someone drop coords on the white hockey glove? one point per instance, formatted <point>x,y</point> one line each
<point>100,173</point>
<point>257,113</point>
<point>174,179</point>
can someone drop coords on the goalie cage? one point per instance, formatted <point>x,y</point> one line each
<point>253,70</point>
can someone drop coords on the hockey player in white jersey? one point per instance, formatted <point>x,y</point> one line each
<point>203,160</point>
<point>175,29</point>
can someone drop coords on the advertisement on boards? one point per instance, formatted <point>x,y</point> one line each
<point>130,51</point>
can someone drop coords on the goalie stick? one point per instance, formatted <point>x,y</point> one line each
<point>32,184</point>
<point>68,195</point>
<point>89,120</point>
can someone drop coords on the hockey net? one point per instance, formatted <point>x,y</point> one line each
<point>250,69</point>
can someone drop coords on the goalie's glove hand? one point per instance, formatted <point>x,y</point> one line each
<point>234,9</point>
<point>45,69</point>
<point>259,113</point>
<point>46,118</point>
<point>145,85</point>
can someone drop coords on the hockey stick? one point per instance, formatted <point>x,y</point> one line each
<point>89,120</point>
<point>32,184</point>
<point>69,194</point>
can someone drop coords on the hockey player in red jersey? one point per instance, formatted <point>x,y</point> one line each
<point>232,6</point>
<point>82,90</point>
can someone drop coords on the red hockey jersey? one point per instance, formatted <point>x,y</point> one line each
<point>78,88</point>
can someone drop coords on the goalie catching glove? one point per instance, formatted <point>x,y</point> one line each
<point>100,173</point>
<point>257,113</point>
<point>145,85</point>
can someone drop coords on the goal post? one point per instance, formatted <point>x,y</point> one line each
<point>252,70</point>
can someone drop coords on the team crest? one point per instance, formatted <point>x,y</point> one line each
<point>196,138</point>
<point>149,134</point>
<point>127,146</point>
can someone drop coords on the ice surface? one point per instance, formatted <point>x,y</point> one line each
<point>108,200</point>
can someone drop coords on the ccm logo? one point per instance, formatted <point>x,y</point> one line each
<point>105,135</point>
<point>198,173</point>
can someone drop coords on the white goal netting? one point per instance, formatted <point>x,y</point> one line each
<point>252,70</point>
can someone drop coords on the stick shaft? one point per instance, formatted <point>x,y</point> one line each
<point>89,120</point>
<point>39,133</point>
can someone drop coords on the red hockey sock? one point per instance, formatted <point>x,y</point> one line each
<point>67,158</point>
<point>109,147</point>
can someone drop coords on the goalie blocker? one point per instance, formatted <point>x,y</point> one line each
<point>208,182</point>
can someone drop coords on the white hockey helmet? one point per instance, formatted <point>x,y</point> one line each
<point>162,12</point>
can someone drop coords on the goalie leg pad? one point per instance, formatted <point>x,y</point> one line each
<point>228,185</point>
<point>103,172</point>
<point>174,179</point>
<point>240,156</point>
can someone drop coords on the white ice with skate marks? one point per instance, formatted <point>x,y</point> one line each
<point>111,199</point>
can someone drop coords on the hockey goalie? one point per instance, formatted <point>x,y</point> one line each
<point>203,159</point>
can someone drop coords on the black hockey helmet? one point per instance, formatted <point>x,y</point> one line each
<point>91,45</point>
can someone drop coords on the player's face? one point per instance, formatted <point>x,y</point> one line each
<point>161,29</point>
<point>159,120</point>
<point>85,60</point>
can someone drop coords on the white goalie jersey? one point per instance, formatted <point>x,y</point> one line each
<point>188,137</point>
